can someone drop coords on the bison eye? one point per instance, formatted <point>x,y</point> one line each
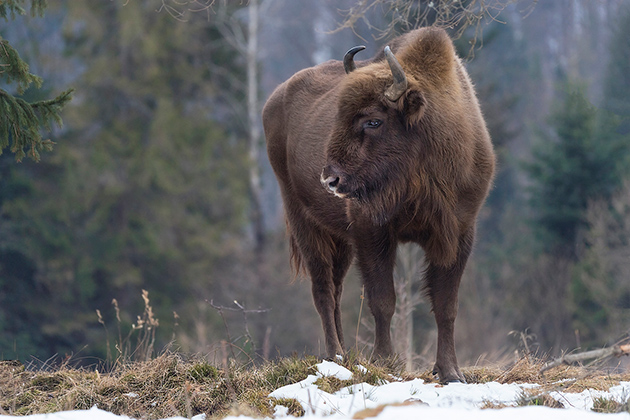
<point>372,124</point>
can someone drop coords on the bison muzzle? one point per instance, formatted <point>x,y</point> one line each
<point>369,154</point>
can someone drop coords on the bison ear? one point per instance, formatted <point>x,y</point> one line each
<point>413,106</point>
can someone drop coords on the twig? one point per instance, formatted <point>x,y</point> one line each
<point>617,351</point>
<point>247,334</point>
<point>227,330</point>
<point>239,308</point>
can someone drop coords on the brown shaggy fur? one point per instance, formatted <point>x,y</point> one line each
<point>415,169</point>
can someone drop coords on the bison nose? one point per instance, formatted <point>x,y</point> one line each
<point>330,182</point>
<point>331,179</point>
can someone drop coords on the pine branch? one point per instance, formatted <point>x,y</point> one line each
<point>50,109</point>
<point>20,122</point>
<point>13,68</point>
<point>14,7</point>
<point>38,7</point>
<point>11,7</point>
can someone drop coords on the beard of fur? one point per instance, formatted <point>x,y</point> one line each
<point>380,201</point>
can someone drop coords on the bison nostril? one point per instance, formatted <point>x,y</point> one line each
<point>330,183</point>
<point>332,179</point>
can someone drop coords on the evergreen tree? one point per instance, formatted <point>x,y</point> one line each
<point>600,292</point>
<point>578,163</point>
<point>617,81</point>
<point>152,192</point>
<point>20,120</point>
<point>615,120</point>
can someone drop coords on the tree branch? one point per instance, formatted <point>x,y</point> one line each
<point>617,351</point>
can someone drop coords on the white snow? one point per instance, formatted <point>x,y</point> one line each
<point>422,401</point>
<point>326,368</point>
<point>92,414</point>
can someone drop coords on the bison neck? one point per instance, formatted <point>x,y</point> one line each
<point>436,230</point>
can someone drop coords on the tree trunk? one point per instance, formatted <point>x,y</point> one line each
<point>254,127</point>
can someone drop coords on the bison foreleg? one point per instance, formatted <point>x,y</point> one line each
<point>442,285</point>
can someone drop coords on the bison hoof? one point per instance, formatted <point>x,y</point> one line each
<point>337,358</point>
<point>455,381</point>
<point>454,377</point>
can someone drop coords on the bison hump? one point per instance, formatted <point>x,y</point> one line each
<point>428,53</point>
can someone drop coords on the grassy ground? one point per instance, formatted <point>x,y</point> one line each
<point>169,385</point>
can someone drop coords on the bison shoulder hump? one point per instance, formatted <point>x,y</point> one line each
<point>429,52</point>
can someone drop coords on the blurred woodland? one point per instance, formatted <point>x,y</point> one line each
<point>158,180</point>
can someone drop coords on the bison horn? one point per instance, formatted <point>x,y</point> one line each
<point>348,59</point>
<point>399,87</point>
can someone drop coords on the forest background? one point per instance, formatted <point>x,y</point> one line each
<point>158,181</point>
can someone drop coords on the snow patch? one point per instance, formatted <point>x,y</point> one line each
<point>327,368</point>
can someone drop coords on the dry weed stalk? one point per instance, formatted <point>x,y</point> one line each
<point>359,319</point>
<point>145,327</point>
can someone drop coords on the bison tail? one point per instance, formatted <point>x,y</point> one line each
<point>297,265</point>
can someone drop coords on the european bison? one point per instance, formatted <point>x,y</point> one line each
<point>393,149</point>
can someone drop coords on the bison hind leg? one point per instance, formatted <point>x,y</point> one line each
<point>326,260</point>
<point>342,259</point>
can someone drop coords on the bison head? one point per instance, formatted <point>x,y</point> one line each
<point>374,148</point>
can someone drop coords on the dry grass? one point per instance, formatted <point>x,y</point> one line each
<point>163,387</point>
<point>527,370</point>
<point>169,385</point>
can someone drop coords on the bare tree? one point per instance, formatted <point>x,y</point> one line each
<point>603,270</point>
<point>253,117</point>
<point>409,261</point>
<point>245,42</point>
<point>240,30</point>
<point>405,15</point>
